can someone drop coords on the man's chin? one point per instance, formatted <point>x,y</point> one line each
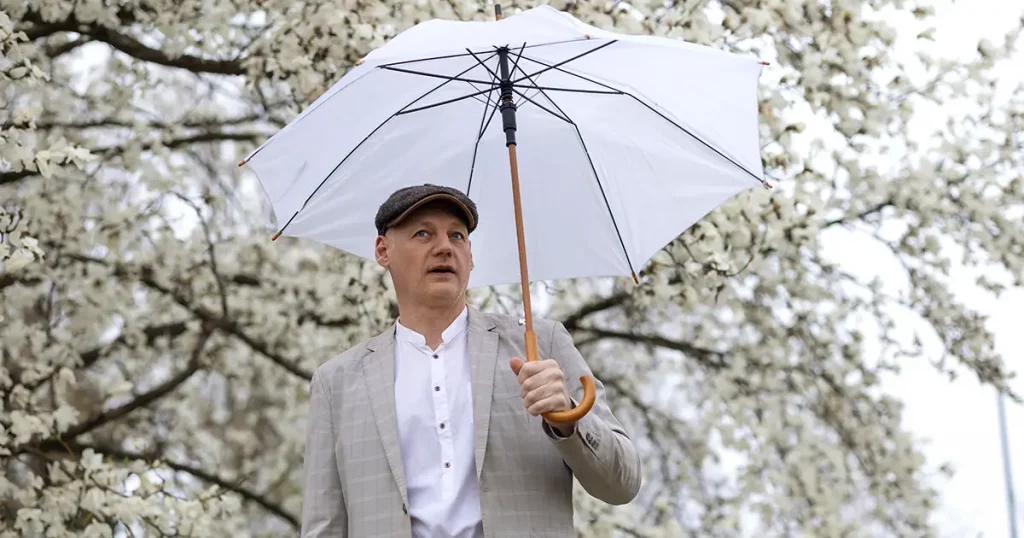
<point>443,288</point>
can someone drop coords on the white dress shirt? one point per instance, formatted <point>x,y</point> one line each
<point>434,405</point>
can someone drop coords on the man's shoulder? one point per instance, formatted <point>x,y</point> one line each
<point>347,358</point>
<point>511,322</point>
<point>512,325</point>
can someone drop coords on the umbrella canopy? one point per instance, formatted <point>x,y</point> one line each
<point>623,142</point>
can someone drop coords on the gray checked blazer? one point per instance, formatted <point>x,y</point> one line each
<point>354,485</point>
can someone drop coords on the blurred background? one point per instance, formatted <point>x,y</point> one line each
<point>822,359</point>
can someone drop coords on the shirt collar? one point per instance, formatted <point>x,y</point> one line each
<point>410,336</point>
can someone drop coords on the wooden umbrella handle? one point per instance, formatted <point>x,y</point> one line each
<point>589,390</point>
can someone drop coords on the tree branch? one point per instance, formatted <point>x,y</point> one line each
<point>207,123</point>
<point>146,398</point>
<point>155,459</point>
<point>114,150</point>
<point>90,357</point>
<point>130,46</point>
<point>572,321</point>
<point>145,275</point>
<point>877,208</point>
<point>708,357</point>
<point>11,177</point>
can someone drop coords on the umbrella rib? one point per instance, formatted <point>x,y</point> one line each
<point>470,81</point>
<point>432,75</point>
<point>593,169</point>
<point>542,107</point>
<point>540,90</point>
<point>607,205</point>
<point>494,74</point>
<point>652,109</point>
<point>308,112</point>
<point>480,131</point>
<point>563,62</point>
<point>572,90</point>
<point>447,56</point>
<point>363,141</point>
<point>406,110</point>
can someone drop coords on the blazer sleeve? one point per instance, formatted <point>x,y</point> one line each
<point>323,501</point>
<point>599,452</point>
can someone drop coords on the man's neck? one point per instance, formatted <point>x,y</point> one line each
<point>429,321</point>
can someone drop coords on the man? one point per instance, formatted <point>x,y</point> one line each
<point>433,428</point>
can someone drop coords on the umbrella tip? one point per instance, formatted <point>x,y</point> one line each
<point>765,63</point>
<point>766,184</point>
<point>636,280</point>
<point>241,163</point>
<point>275,236</point>
<point>497,12</point>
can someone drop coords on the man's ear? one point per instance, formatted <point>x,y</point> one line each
<point>380,251</point>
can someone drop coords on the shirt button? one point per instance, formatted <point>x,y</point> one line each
<point>436,357</point>
<point>437,388</point>
<point>447,464</point>
<point>442,425</point>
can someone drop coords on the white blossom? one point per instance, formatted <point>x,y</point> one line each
<point>145,358</point>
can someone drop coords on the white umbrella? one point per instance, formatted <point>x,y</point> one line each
<point>626,142</point>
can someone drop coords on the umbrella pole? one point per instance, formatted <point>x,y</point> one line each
<point>508,117</point>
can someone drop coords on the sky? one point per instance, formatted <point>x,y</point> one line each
<point>957,422</point>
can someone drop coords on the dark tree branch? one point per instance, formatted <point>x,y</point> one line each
<point>146,398</point>
<point>11,177</point>
<point>112,151</point>
<point>572,321</point>
<point>877,208</point>
<point>708,357</point>
<point>170,330</point>
<point>145,275</point>
<point>156,459</point>
<point>208,235</point>
<point>178,142</point>
<point>130,46</point>
<point>57,50</point>
<point>204,123</point>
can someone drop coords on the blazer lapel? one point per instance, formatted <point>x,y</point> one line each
<point>482,346</point>
<point>379,373</point>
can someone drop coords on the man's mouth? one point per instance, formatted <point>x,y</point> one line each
<point>442,269</point>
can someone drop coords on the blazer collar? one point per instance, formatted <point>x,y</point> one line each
<point>482,347</point>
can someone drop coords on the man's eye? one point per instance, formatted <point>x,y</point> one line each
<point>458,235</point>
<point>421,233</point>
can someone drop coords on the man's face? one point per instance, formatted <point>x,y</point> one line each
<point>428,256</point>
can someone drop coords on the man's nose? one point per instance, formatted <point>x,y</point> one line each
<point>443,245</point>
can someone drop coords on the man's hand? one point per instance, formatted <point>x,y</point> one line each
<point>542,386</point>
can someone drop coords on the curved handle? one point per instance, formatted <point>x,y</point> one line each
<point>576,413</point>
<point>589,390</point>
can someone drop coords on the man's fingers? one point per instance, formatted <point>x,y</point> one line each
<point>528,369</point>
<point>532,368</point>
<point>550,403</point>
<point>516,364</point>
<point>547,376</point>
<point>555,389</point>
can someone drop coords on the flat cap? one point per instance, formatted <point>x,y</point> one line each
<point>404,201</point>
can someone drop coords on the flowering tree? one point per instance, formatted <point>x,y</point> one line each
<point>156,348</point>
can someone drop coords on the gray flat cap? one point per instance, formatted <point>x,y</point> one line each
<point>404,201</point>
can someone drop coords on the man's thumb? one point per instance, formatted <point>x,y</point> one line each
<point>517,364</point>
